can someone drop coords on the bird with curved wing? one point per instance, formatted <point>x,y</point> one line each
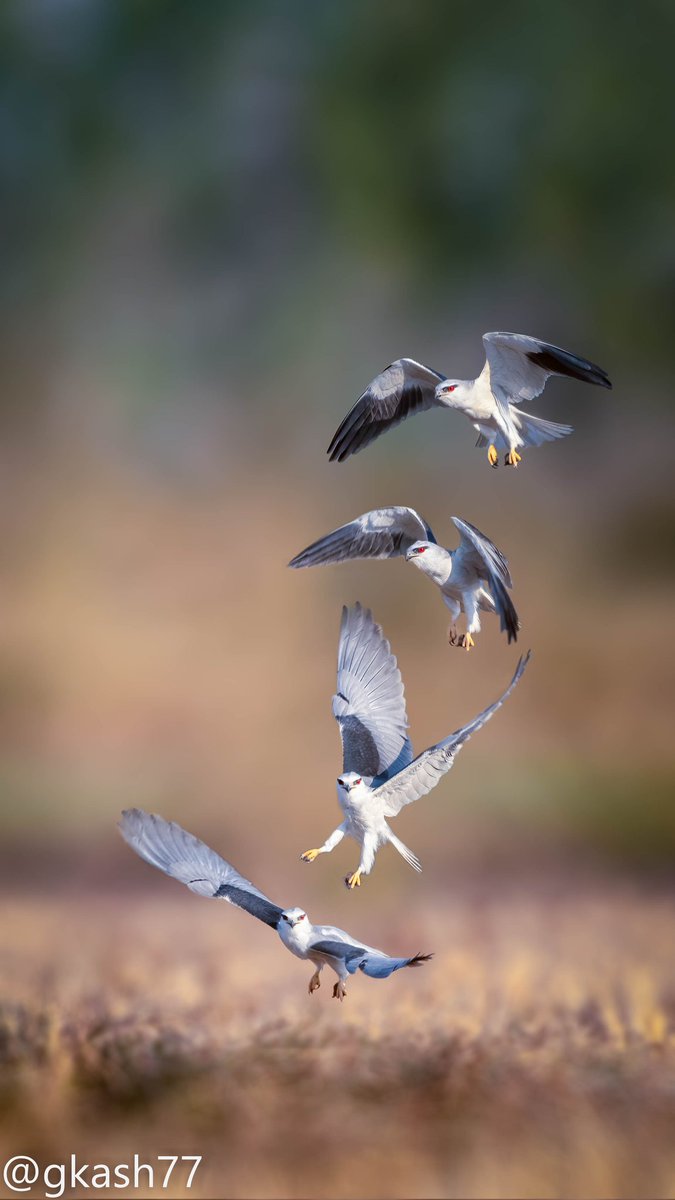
<point>516,370</point>
<point>171,849</point>
<point>472,578</point>
<point>380,774</point>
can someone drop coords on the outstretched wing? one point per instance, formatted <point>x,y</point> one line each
<point>425,771</point>
<point>520,365</point>
<point>403,388</point>
<point>182,856</point>
<point>369,705</point>
<point>375,963</point>
<point>382,533</point>
<point>477,553</point>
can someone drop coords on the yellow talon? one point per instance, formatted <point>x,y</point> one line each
<point>513,458</point>
<point>353,881</point>
<point>493,457</point>
<point>309,855</point>
<point>467,642</point>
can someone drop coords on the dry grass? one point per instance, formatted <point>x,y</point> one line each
<point>534,1057</point>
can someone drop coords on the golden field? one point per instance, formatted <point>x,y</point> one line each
<point>534,1056</point>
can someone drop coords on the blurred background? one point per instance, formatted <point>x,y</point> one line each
<point>221,220</point>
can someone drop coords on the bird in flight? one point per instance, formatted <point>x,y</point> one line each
<point>472,578</point>
<point>165,845</point>
<point>379,773</point>
<point>516,369</point>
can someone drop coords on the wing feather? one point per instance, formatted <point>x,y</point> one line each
<point>382,533</point>
<point>171,849</point>
<point>520,365</point>
<point>405,387</point>
<point>374,963</point>
<point>369,704</point>
<point>428,768</point>
<point>478,553</point>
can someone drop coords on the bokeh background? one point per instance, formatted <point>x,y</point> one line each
<point>221,220</point>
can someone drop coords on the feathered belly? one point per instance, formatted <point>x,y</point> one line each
<point>361,824</point>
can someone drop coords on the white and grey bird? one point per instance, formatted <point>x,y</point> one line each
<point>171,849</point>
<point>473,577</point>
<point>379,773</point>
<point>516,369</point>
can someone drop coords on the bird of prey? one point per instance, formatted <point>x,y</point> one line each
<point>473,577</point>
<point>516,369</point>
<point>379,773</point>
<point>179,854</point>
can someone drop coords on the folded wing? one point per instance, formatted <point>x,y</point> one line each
<point>375,963</point>
<point>171,849</point>
<point>428,768</point>
<point>477,553</point>
<point>382,533</point>
<point>369,704</point>
<point>405,387</point>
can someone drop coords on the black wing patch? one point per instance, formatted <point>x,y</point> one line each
<point>561,362</point>
<point>257,906</point>
<point>339,950</point>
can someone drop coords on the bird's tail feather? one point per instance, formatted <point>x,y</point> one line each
<point>418,959</point>
<point>535,430</point>
<point>381,966</point>
<point>405,852</point>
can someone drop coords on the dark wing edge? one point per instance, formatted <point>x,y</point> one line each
<point>495,561</point>
<point>380,533</point>
<point>498,576</point>
<point>179,854</point>
<point>403,388</point>
<point>560,362</point>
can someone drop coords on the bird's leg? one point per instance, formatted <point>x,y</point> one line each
<point>315,981</point>
<point>493,457</point>
<point>455,608</point>
<point>512,458</point>
<point>329,844</point>
<point>339,991</point>
<point>470,605</point>
<point>368,852</point>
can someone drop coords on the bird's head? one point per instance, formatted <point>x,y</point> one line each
<point>448,391</point>
<point>416,552</point>
<point>351,784</point>
<point>292,916</point>
<point>432,559</point>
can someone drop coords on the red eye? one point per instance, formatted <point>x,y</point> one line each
<point>357,781</point>
<point>421,549</point>
<point>451,388</point>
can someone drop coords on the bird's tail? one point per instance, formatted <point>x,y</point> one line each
<point>535,430</point>
<point>418,959</point>
<point>381,966</point>
<point>405,852</point>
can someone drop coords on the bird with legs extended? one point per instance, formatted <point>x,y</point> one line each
<point>516,370</point>
<point>472,578</point>
<point>380,775</point>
